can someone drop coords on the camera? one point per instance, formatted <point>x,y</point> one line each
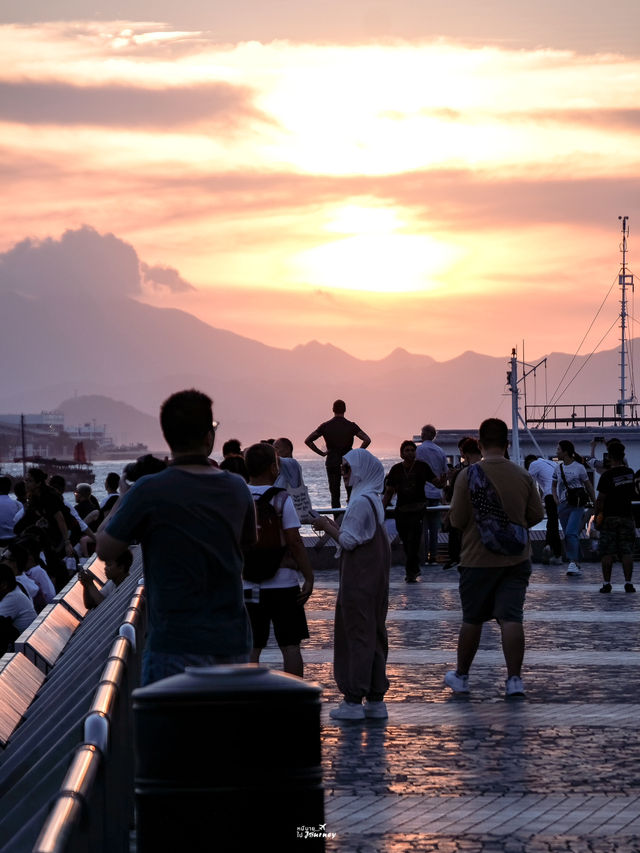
<point>147,464</point>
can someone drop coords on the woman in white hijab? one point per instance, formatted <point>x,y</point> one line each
<point>360,634</point>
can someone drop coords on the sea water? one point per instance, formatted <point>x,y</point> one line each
<point>313,471</point>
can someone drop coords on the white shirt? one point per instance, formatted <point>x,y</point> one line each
<point>19,608</point>
<point>284,577</point>
<point>42,579</point>
<point>575,475</point>
<point>543,471</point>
<point>9,508</point>
<point>436,458</point>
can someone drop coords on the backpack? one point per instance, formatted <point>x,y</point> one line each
<point>262,560</point>
<point>497,533</point>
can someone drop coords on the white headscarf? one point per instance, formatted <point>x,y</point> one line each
<point>367,482</point>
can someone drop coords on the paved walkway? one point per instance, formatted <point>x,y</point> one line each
<point>559,770</point>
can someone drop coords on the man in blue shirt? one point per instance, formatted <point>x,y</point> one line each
<point>192,521</point>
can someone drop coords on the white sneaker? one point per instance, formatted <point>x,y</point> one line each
<point>574,568</point>
<point>375,710</point>
<point>513,686</point>
<point>347,711</point>
<point>458,683</point>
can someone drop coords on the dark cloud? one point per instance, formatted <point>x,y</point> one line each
<point>126,106</point>
<point>81,262</point>
<point>159,277</point>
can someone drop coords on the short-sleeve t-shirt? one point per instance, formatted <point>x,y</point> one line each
<point>191,528</point>
<point>617,488</point>
<point>409,485</point>
<point>338,434</point>
<point>285,577</point>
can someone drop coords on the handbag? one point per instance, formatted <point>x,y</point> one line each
<point>577,496</point>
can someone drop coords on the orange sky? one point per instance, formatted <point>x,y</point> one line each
<point>435,194</point>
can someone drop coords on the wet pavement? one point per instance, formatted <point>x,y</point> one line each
<point>558,770</point>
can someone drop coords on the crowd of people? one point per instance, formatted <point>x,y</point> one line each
<point>224,561</point>
<point>43,542</point>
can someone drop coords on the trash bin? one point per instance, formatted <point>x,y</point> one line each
<point>228,757</point>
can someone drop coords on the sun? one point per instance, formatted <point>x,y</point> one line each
<point>377,255</point>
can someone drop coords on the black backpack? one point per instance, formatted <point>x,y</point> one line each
<point>262,560</point>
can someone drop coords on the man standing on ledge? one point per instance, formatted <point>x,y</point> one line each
<point>493,585</point>
<point>338,434</point>
<point>192,520</point>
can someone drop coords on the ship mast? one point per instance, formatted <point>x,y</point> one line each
<point>625,280</point>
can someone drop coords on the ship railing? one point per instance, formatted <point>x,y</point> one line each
<point>595,415</point>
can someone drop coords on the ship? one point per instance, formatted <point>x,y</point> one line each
<point>75,471</point>
<point>537,429</point>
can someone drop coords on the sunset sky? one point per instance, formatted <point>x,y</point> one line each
<point>439,176</point>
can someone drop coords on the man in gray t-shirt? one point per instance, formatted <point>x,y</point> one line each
<point>192,521</point>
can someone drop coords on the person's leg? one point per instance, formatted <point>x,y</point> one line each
<point>289,626</point>
<point>409,527</point>
<point>432,529</point>
<point>571,519</point>
<point>627,567</point>
<point>468,642</point>
<point>607,565</point>
<point>334,477</point>
<point>552,537</point>
<point>292,660</point>
<point>254,655</point>
<point>513,646</point>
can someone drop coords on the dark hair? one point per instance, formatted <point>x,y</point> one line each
<point>125,560</point>
<point>493,433</point>
<point>286,441</point>
<point>407,443</point>
<point>428,432</point>
<point>143,466</point>
<point>339,407</point>
<point>567,446</point>
<point>30,543</point>
<point>7,576</point>
<point>20,489</point>
<point>186,418</point>
<point>112,480</point>
<point>616,450</point>
<point>19,555</point>
<point>232,445</point>
<point>5,485</point>
<point>528,459</point>
<point>470,445</point>
<point>258,458</point>
<point>37,475</point>
<point>57,481</point>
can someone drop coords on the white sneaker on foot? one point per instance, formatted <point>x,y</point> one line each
<point>458,683</point>
<point>347,711</point>
<point>513,686</point>
<point>375,710</point>
<point>573,568</point>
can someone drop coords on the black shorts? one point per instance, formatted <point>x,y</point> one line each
<point>278,606</point>
<point>494,593</point>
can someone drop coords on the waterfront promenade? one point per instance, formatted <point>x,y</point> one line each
<point>559,770</point>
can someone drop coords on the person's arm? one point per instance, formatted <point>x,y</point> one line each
<point>298,551</point>
<point>327,525</point>
<point>310,442</point>
<point>460,508</point>
<point>108,547</point>
<point>366,441</point>
<point>590,490</point>
<point>90,595</point>
<point>389,492</point>
<point>64,530</point>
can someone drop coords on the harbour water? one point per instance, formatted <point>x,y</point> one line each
<point>313,470</point>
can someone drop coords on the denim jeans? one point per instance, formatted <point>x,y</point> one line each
<point>572,521</point>
<point>158,665</point>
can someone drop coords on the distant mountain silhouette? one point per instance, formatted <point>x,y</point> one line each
<point>75,353</point>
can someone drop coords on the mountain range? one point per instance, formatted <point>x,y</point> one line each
<point>114,359</point>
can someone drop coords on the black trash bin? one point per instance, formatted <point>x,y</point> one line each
<point>228,757</point>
